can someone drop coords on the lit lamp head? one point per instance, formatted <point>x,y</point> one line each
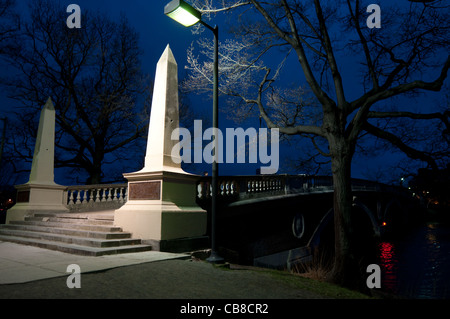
<point>182,12</point>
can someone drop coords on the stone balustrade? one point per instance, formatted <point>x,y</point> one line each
<point>239,187</point>
<point>233,188</point>
<point>96,197</point>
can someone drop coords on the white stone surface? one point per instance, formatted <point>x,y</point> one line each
<point>21,264</point>
<point>42,169</point>
<point>164,117</point>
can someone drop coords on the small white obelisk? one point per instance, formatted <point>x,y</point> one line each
<point>41,194</point>
<point>161,207</point>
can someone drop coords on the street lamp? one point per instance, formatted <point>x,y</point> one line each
<point>185,14</point>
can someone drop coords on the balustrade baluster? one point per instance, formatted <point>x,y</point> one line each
<point>221,189</point>
<point>121,195</point>
<point>97,196</point>
<point>115,195</point>
<point>200,190</point>
<point>78,197</point>
<point>83,197</point>
<point>71,197</point>
<point>104,195</point>
<point>109,198</point>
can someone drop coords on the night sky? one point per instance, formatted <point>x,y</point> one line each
<point>156,31</point>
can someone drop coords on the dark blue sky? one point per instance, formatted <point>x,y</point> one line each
<point>156,31</point>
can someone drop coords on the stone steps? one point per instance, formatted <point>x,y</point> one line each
<point>82,234</point>
<point>77,249</point>
<point>72,225</point>
<point>82,218</point>
<point>63,232</point>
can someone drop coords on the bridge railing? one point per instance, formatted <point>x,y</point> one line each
<point>239,187</point>
<point>96,197</point>
<point>232,188</point>
<point>243,187</point>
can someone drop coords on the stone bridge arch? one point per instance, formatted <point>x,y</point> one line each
<point>364,217</point>
<point>370,215</point>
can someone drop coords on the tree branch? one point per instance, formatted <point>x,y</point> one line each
<point>364,43</point>
<point>396,141</point>
<point>339,87</point>
<point>318,91</point>
<point>370,98</point>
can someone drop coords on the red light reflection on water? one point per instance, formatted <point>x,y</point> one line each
<point>388,263</point>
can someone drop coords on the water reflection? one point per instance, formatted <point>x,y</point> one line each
<point>419,265</point>
<point>436,266</point>
<point>388,264</point>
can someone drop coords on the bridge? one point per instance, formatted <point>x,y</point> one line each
<point>277,221</point>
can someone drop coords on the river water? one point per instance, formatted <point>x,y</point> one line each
<point>418,264</point>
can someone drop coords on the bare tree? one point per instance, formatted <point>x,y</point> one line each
<point>93,76</point>
<point>408,55</point>
<point>9,25</point>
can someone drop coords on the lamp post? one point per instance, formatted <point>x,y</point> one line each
<point>185,14</point>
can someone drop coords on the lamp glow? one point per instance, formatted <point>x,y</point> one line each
<point>182,12</point>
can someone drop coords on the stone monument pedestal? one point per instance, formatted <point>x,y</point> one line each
<point>161,210</point>
<point>37,198</point>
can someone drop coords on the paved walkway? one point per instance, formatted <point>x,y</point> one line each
<point>22,264</point>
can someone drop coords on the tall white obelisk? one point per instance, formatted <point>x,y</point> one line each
<point>164,117</point>
<point>161,206</point>
<point>41,193</point>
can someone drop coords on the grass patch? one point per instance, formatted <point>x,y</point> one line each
<point>322,288</point>
<point>316,287</point>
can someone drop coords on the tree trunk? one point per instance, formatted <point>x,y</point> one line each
<point>95,170</point>
<point>346,269</point>
<point>95,177</point>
